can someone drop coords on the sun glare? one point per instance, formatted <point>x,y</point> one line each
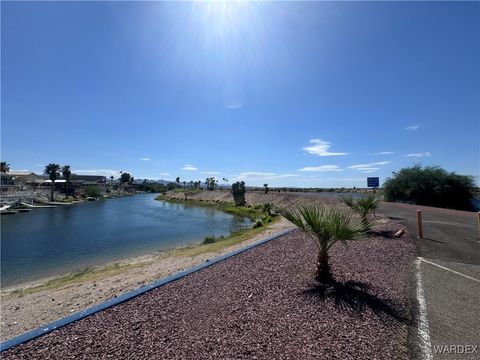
<point>223,19</point>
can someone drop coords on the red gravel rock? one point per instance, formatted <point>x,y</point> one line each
<point>257,305</point>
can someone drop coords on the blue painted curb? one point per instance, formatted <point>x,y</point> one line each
<point>127,296</point>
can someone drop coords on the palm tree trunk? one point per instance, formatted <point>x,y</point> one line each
<point>53,191</point>
<point>323,274</point>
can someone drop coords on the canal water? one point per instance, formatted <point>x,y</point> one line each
<point>47,242</point>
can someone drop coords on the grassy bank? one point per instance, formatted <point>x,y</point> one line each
<point>87,274</point>
<point>255,213</point>
<point>251,212</point>
<point>223,242</point>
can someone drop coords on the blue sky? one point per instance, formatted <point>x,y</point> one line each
<point>285,93</point>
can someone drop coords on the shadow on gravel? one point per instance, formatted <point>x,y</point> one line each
<point>353,297</point>
<point>389,234</point>
<point>396,218</point>
<point>430,239</point>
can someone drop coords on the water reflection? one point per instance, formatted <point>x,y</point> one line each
<point>46,242</point>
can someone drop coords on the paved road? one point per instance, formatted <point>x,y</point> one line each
<point>449,268</point>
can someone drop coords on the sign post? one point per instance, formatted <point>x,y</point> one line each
<point>373,182</point>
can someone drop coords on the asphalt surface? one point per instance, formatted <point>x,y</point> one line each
<point>449,267</point>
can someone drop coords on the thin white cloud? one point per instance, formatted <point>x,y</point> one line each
<point>369,168</point>
<point>145,159</point>
<point>165,174</point>
<point>252,175</point>
<point>384,153</point>
<point>100,172</point>
<point>422,154</point>
<point>38,165</point>
<point>233,106</point>
<point>209,172</point>
<point>321,168</point>
<point>370,165</point>
<point>320,148</point>
<point>189,168</point>
<point>412,127</point>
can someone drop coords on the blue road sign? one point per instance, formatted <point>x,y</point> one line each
<point>373,182</point>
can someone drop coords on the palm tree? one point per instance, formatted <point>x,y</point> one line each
<point>66,175</point>
<point>325,225</point>
<point>53,172</point>
<point>363,206</point>
<point>4,167</point>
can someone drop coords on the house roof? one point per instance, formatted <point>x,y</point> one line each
<point>97,178</point>
<point>21,173</point>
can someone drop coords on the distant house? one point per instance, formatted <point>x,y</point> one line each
<point>13,181</point>
<point>80,182</point>
<point>21,178</point>
<point>96,179</point>
<point>6,183</point>
<point>6,179</point>
<point>77,184</point>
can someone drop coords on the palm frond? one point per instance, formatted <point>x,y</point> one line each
<point>293,216</point>
<point>347,200</point>
<point>325,224</point>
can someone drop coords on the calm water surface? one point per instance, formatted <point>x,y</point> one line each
<point>46,242</point>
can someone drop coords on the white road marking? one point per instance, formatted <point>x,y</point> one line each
<point>445,268</point>
<point>423,333</point>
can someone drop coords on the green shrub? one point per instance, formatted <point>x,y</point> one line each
<point>209,240</point>
<point>362,206</point>
<point>257,224</point>
<point>430,185</point>
<point>92,191</point>
<point>268,208</point>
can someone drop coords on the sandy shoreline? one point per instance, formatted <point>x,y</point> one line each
<point>22,311</point>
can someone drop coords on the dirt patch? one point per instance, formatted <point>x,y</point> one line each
<point>282,199</point>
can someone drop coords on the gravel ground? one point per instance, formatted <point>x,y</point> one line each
<point>261,304</point>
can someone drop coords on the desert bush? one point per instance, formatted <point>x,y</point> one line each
<point>362,206</point>
<point>257,224</point>
<point>268,208</point>
<point>432,186</point>
<point>92,191</point>
<point>209,240</point>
